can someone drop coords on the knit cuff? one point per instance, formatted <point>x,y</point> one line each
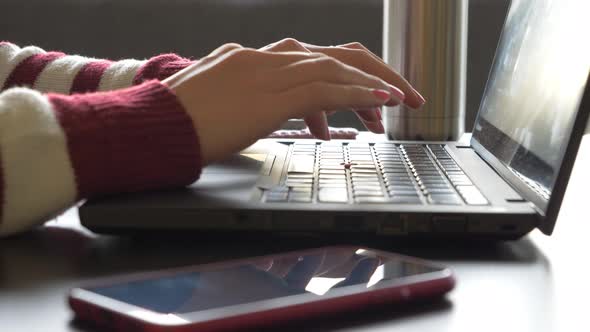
<point>128,140</point>
<point>161,67</point>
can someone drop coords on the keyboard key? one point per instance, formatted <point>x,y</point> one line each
<point>409,192</point>
<point>300,197</point>
<point>358,159</point>
<point>444,199</point>
<point>362,176</point>
<point>333,195</point>
<point>394,170</point>
<point>366,185</point>
<point>430,185</point>
<point>372,199</point>
<point>301,164</point>
<point>332,176</point>
<point>300,190</point>
<point>332,167</point>
<point>359,185</point>
<point>363,171</point>
<point>399,184</point>
<point>396,178</point>
<point>472,195</point>
<point>333,185</point>
<point>459,179</point>
<point>300,176</point>
<point>366,181</point>
<point>362,162</point>
<point>326,181</point>
<point>299,182</point>
<point>405,200</point>
<point>434,183</point>
<point>363,167</point>
<point>332,162</point>
<point>436,191</point>
<point>396,173</point>
<point>388,158</point>
<point>277,196</point>
<point>365,193</point>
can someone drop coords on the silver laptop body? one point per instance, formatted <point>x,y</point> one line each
<point>508,180</point>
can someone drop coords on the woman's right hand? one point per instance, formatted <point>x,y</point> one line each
<point>237,95</point>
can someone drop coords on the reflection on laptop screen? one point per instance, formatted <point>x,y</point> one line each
<point>537,81</point>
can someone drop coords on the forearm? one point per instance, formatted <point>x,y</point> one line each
<point>68,74</point>
<point>57,149</point>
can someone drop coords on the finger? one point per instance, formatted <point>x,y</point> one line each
<point>318,125</point>
<point>219,52</point>
<point>359,46</point>
<point>318,96</point>
<point>286,45</point>
<point>369,115</point>
<point>253,57</point>
<point>223,49</point>
<point>367,62</point>
<point>372,120</point>
<point>352,46</point>
<point>323,69</point>
<point>373,126</point>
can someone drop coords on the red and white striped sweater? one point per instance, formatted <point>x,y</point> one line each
<point>73,127</point>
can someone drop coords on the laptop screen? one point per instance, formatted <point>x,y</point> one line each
<point>534,90</point>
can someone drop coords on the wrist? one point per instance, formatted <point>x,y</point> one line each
<point>129,140</point>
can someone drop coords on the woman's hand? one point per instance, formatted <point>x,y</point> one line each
<point>237,95</point>
<point>358,56</point>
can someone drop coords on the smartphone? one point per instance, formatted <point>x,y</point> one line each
<point>259,291</point>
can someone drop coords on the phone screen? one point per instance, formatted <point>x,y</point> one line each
<point>316,273</point>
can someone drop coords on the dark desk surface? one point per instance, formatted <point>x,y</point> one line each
<point>535,284</point>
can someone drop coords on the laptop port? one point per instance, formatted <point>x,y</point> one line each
<point>449,223</point>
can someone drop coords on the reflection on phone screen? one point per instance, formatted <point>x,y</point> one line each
<point>317,273</point>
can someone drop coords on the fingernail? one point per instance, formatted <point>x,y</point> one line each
<point>397,94</point>
<point>420,98</point>
<point>383,95</point>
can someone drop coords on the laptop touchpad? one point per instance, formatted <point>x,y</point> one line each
<point>237,176</point>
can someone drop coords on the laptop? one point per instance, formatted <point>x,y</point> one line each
<point>509,179</point>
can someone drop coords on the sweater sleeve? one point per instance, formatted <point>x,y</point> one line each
<point>56,149</point>
<point>57,72</point>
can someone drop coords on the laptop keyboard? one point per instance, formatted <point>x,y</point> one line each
<point>347,173</point>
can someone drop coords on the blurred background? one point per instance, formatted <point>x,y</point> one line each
<point>118,29</point>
